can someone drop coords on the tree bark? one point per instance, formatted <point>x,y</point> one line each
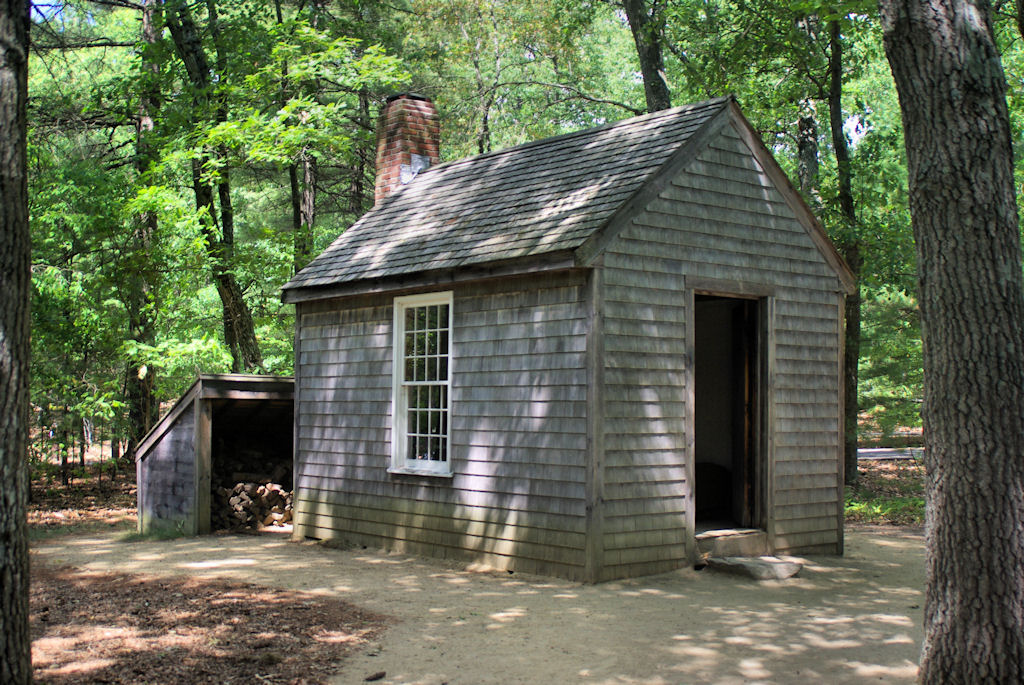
<point>808,158</point>
<point>306,200</point>
<point>849,248</point>
<point>964,211</point>
<point>302,174</point>
<point>364,153</point>
<point>143,407</point>
<point>239,332</point>
<point>15,284</point>
<point>646,25</point>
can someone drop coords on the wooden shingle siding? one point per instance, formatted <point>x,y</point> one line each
<point>518,429</point>
<point>645,376</point>
<point>166,477</point>
<point>722,220</point>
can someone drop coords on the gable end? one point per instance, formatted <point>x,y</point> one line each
<point>589,252</point>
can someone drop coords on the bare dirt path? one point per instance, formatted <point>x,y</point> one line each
<point>853,619</point>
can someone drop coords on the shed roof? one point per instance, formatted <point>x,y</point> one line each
<point>221,386</point>
<point>533,200</point>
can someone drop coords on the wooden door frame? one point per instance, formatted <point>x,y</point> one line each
<point>764,415</point>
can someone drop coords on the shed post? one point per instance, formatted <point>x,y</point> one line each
<point>204,466</point>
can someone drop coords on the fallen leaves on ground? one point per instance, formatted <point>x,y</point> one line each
<point>87,502</point>
<point>115,628</point>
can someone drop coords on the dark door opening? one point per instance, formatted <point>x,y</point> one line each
<point>727,413</point>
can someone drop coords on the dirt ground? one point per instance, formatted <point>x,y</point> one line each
<point>96,627</point>
<point>853,619</point>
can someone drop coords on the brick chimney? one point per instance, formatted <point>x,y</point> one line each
<point>407,142</point>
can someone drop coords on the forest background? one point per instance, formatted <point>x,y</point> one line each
<point>186,158</point>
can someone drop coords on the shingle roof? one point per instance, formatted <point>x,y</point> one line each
<point>542,197</point>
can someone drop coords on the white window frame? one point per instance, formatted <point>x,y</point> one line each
<point>400,461</point>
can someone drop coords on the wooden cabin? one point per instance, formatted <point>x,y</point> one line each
<point>579,357</point>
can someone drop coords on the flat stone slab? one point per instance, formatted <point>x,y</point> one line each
<point>758,568</point>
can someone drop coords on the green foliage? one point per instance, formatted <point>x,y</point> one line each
<point>891,376</point>
<point>308,85</point>
<point>888,492</point>
<point>898,511</point>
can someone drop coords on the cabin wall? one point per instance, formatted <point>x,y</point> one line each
<point>519,429</point>
<point>722,221</point>
<point>166,480</point>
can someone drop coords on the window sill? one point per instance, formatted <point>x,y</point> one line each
<point>421,472</point>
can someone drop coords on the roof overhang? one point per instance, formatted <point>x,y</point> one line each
<point>538,265</point>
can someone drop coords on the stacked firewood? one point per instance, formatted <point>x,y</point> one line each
<point>251,505</point>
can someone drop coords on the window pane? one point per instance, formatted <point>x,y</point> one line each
<point>431,346</point>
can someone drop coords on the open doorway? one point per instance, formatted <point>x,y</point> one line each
<point>728,471</point>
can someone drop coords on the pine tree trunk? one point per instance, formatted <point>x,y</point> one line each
<point>808,158</point>
<point>357,184</point>
<point>960,167</point>
<point>849,248</point>
<point>646,31</point>
<point>307,209</point>
<point>15,284</point>
<point>143,407</point>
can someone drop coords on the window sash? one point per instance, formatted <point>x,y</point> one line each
<point>421,426</point>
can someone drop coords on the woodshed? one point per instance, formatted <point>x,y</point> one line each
<point>581,356</point>
<point>221,424</point>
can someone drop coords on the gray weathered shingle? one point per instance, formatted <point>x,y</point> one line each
<point>546,196</point>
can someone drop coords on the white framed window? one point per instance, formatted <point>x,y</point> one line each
<point>421,387</point>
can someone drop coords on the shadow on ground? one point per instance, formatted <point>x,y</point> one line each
<point>843,620</point>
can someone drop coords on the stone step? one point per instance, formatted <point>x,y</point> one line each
<point>732,542</point>
<point>758,568</point>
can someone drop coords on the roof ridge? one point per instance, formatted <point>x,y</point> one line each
<point>709,103</point>
<point>537,197</point>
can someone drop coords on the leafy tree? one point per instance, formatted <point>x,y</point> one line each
<point>504,73</point>
<point>966,227</point>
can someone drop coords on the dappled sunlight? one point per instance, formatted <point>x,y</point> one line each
<point>506,616</point>
<point>905,671</point>
<point>220,563</point>
<point>390,561</point>
<point>842,620</point>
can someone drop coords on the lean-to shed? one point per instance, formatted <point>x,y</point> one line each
<point>574,356</point>
<point>222,423</point>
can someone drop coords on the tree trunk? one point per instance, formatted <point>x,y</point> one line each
<point>303,189</point>
<point>364,153</point>
<point>964,211</point>
<point>849,248</point>
<point>303,245</point>
<point>808,157</point>
<point>143,407</point>
<point>15,284</point>
<point>646,25</point>
<point>239,332</point>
